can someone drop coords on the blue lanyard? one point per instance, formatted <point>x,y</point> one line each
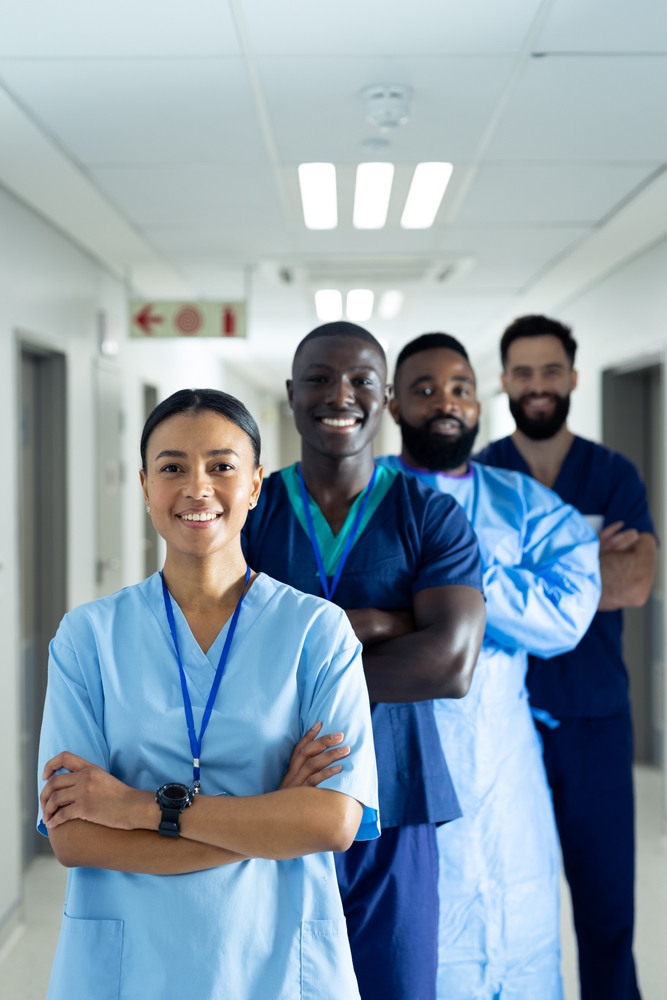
<point>196,741</point>
<point>329,591</point>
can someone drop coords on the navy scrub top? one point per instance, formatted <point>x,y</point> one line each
<point>592,680</point>
<point>415,539</point>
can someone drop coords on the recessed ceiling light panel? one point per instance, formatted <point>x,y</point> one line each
<point>359,305</point>
<point>428,186</point>
<point>318,195</point>
<point>371,195</point>
<point>390,305</point>
<point>328,305</point>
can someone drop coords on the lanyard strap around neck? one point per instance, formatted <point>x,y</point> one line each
<point>196,741</point>
<point>330,590</point>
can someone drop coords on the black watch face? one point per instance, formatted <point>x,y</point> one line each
<point>175,793</point>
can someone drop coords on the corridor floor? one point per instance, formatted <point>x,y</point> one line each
<point>25,960</point>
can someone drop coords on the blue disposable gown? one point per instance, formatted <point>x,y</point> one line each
<point>246,931</point>
<point>499,865</point>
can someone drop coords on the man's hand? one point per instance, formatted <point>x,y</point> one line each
<point>627,565</point>
<point>612,539</point>
<point>85,791</point>
<point>373,625</point>
<point>314,759</point>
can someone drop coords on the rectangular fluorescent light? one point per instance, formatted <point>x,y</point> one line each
<point>318,195</point>
<point>428,186</point>
<point>390,305</point>
<point>371,195</point>
<point>359,305</point>
<point>328,305</point>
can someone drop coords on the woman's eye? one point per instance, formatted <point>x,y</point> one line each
<point>223,467</point>
<point>170,468</point>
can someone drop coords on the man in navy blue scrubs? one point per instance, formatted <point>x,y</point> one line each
<point>404,563</point>
<point>582,696</point>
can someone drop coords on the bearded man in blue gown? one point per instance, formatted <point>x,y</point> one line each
<point>499,864</point>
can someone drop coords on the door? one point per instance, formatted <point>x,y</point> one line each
<point>633,418</point>
<point>108,415</point>
<point>43,553</point>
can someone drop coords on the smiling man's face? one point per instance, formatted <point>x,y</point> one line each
<point>538,378</point>
<point>338,394</point>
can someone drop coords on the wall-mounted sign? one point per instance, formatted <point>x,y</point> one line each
<point>187,319</point>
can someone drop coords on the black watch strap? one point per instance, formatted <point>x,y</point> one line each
<point>170,824</point>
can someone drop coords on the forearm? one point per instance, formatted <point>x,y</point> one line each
<point>627,577</point>
<point>431,663</point>
<point>278,825</point>
<point>87,845</point>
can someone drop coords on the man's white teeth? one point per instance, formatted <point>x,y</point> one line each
<point>332,422</point>
<point>199,517</point>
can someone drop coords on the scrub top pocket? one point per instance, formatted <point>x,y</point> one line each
<point>327,972</point>
<point>88,960</point>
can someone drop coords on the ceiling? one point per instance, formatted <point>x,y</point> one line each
<point>191,119</point>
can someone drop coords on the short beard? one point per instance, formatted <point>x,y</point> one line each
<point>542,428</point>
<point>437,452</point>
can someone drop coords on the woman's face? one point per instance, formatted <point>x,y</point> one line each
<point>200,481</point>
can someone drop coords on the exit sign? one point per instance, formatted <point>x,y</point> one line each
<point>150,319</point>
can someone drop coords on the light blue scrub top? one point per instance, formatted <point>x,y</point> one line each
<point>253,930</point>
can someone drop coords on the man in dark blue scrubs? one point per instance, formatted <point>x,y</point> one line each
<point>581,697</point>
<point>404,563</point>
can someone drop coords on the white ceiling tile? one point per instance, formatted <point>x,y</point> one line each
<point>579,108</point>
<point>507,257</point>
<point>308,27</point>
<point>229,195</point>
<point>85,29</point>
<point>318,113</point>
<point>549,192</point>
<point>142,111</point>
<point>605,26</point>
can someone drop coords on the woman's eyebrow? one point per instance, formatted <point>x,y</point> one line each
<point>169,453</point>
<point>221,451</point>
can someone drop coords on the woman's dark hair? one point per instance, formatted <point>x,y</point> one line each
<point>538,326</point>
<point>201,401</point>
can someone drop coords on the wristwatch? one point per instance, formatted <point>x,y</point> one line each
<point>172,799</point>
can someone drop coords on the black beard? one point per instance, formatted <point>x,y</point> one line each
<point>544,427</point>
<point>438,452</point>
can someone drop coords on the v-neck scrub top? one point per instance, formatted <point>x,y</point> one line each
<point>412,539</point>
<point>254,930</point>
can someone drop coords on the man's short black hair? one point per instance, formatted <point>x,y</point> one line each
<point>427,342</point>
<point>341,329</point>
<point>538,326</point>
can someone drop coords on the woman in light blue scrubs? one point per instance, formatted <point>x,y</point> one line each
<point>199,840</point>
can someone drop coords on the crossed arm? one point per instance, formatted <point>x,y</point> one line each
<point>627,566</point>
<point>96,821</point>
<point>427,652</point>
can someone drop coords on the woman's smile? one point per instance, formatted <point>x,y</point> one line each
<point>199,518</point>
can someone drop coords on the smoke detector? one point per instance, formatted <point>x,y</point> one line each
<point>387,105</point>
